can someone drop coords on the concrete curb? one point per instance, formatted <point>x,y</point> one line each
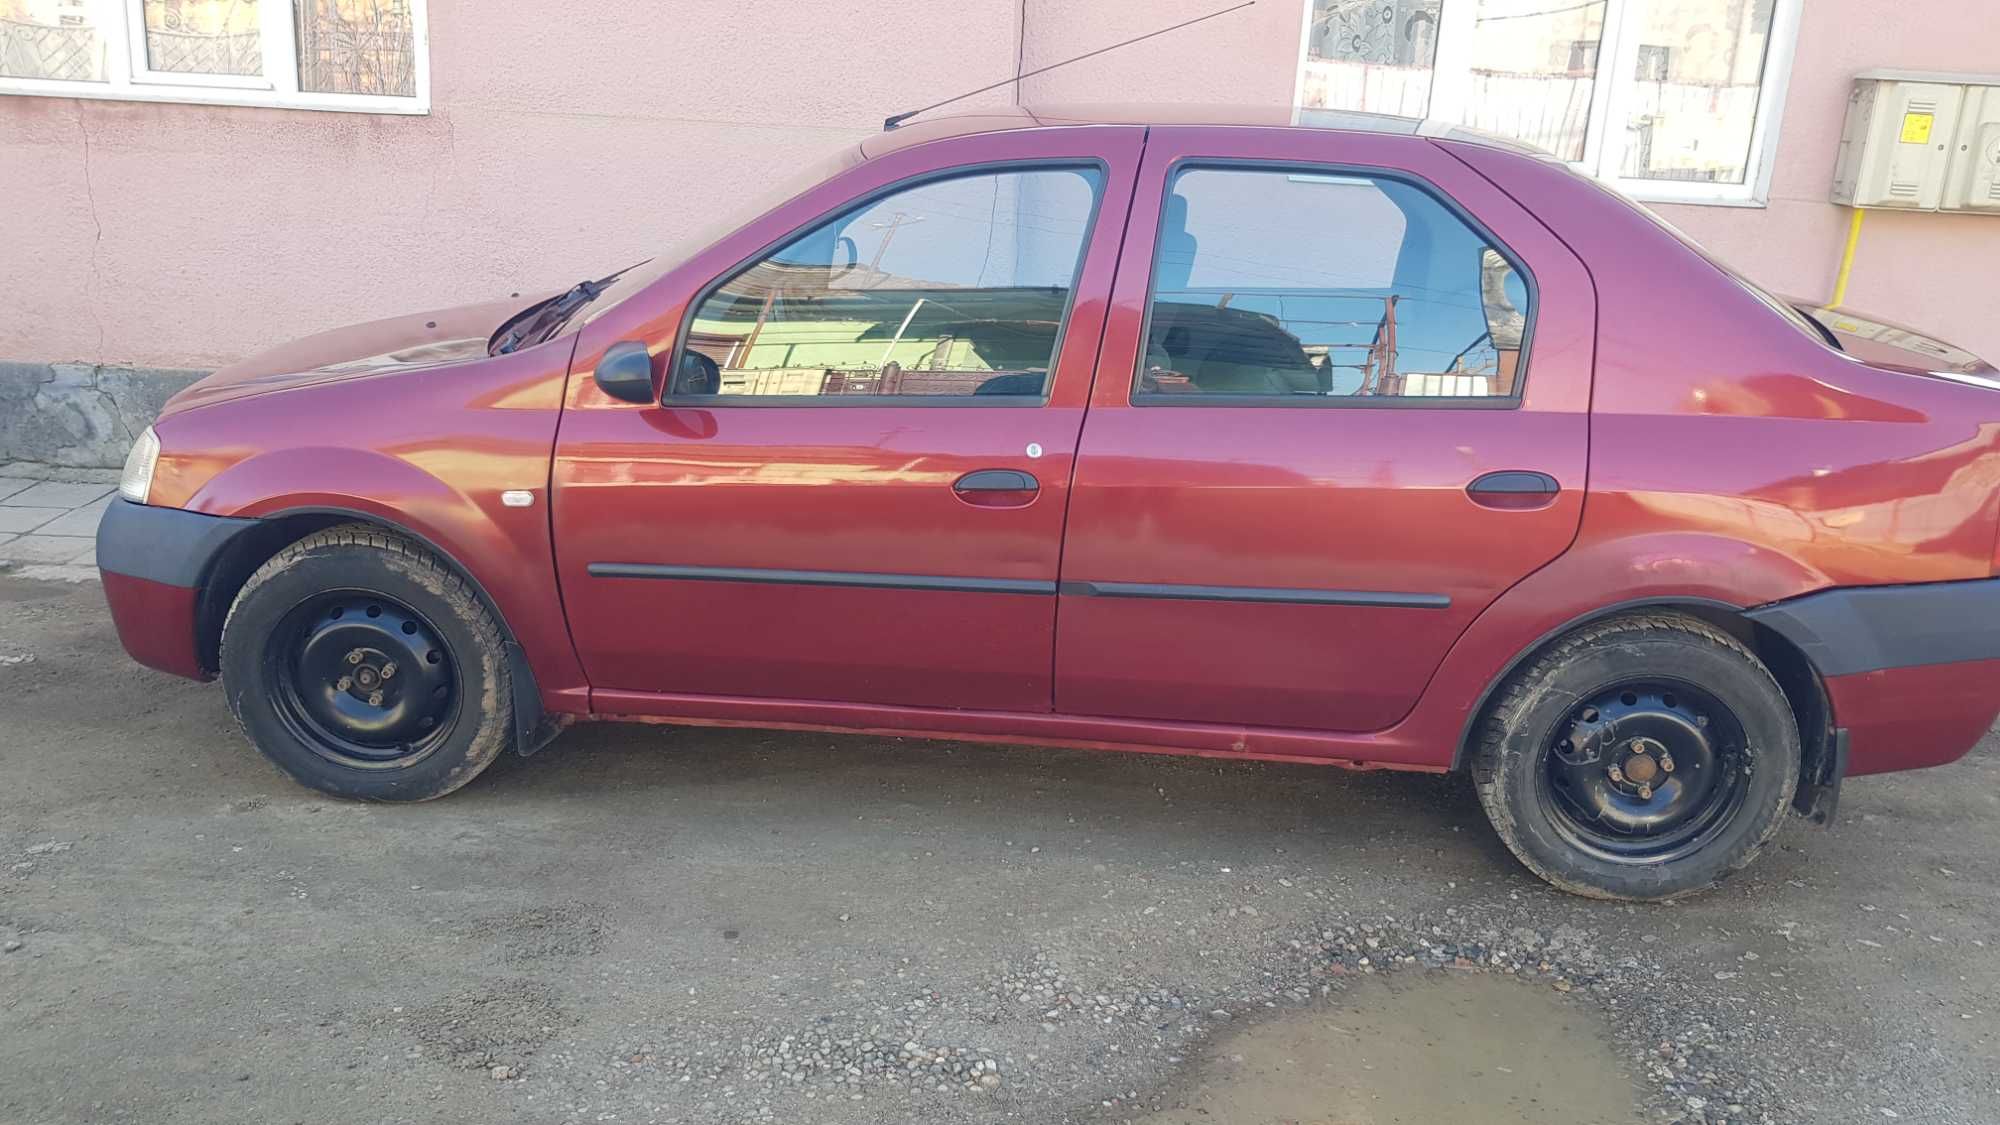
<point>64,416</point>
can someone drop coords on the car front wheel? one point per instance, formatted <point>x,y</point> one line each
<point>1644,757</point>
<point>363,666</point>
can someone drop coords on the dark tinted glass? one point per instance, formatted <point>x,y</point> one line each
<point>954,287</point>
<point>1299,286</point>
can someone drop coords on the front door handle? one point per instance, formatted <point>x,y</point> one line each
<point>997,488</point>
<point>1514,490</point>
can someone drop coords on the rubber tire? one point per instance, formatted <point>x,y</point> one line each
<point>1520,725</point>
<point>368,557</point>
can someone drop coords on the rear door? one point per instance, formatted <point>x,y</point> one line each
<point>854,491</point>
<point>1342,406</point>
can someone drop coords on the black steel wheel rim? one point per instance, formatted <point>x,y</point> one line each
<point>1644,771</point>
<point>362,680</point>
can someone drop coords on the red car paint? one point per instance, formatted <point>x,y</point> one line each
<point>156,623</point>
<point>1709,454</point>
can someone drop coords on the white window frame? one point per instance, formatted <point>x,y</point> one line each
<point>1618,56</point>
<point>128,77</point>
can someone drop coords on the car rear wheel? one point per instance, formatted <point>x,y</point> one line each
<point>363,666</point>
<point>1644,757</point>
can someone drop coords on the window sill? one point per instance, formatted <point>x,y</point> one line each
<point>1654,199</point>
<point>212,95</point>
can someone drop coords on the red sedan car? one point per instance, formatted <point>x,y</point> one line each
<point>1373,445</point>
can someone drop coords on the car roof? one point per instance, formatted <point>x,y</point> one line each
<point>1001,119</point>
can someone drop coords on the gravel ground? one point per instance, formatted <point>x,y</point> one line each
<point>649,924</point>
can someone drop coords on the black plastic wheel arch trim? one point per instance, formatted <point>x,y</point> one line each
<point>1853,629</point>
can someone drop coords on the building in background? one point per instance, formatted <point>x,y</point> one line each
<point>1672,100</point>
<point>183,182</point>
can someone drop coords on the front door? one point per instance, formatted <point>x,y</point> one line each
<point>854,488</point>
<point>1342,406</point>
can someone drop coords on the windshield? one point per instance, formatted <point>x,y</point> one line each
<point>704,232</point>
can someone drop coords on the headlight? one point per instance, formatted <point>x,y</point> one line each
<point>137,479</point>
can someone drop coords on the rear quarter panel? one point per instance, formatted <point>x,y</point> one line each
<point>1734,460</point>
<point>1714,418</point>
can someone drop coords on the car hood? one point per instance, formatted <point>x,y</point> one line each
<point>377,347</point>
<point>1884,343</point>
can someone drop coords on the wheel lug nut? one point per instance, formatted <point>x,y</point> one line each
<point>354,656</point>
<point>344,683</point>
<point>1617,774</point>
<point>374,699</point>
<point>1666,763</point>
<point>1645,792</point>
<point>388,669</point>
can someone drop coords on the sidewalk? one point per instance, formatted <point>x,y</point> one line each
<point>48,520</point>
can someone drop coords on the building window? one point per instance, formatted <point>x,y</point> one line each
<point>1668,100</point>
<point>359,55</point>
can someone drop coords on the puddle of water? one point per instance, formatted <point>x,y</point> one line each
<point>1443,1047</point>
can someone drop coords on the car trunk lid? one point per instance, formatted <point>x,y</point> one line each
<point>1897,347</point>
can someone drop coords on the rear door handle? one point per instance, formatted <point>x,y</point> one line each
<point>1514,490</point>
<point>997,488</point>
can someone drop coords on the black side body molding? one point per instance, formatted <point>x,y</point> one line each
<point>1279,594</point>
<point>821,578</point>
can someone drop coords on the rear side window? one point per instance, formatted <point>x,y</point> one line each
<point>1278,287</point>
<point>953,289</point>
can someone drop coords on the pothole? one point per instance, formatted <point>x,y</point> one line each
<point>1417,1049</point>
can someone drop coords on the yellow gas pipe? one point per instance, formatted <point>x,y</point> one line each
<point>1847,259</point>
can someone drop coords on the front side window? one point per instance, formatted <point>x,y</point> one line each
<point>1299,288</point>
<point>1666,99</point>
<point>952,288</point>
<point>364,55</point>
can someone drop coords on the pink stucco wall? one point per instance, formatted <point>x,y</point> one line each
<point>559,148</point>
<point>1932,271</point>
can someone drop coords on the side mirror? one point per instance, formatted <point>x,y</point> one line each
<point>696,375</point>
<point>846,246</point>
<point>626,372</point>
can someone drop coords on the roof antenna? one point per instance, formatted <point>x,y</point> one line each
<point>889,123</point>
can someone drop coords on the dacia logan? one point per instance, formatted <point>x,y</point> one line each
<point>1365,443</point>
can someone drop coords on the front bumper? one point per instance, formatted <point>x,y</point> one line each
<point>156,563</point>
<point>1912,673</point>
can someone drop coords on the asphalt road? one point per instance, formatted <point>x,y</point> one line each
<point>648,924</point>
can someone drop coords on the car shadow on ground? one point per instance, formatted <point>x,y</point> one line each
<point>1145,799</point>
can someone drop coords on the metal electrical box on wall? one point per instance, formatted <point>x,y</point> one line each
<point>1920,141</point>
<point>1972,182</point>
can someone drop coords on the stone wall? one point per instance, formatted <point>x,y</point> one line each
<point>79,415</point>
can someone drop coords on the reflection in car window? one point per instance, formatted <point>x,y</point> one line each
<point>953,288</point>
<point>1297,286</point>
